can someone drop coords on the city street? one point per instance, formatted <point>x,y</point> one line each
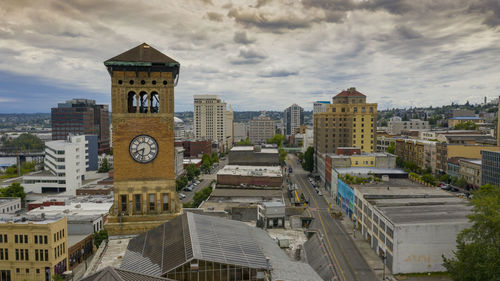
<point>348,261</point>
<point>205,180</point>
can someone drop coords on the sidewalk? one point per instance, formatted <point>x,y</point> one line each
<point>373,260</point>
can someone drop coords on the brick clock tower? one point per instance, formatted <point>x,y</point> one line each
<point>142,97</point>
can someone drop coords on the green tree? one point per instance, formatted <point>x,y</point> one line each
<point>244,142</point>
<point>206,163</point>
<point>104,166</point>
<point>477,257</point>
<point>428,178</point>
<point>13,190</point>
<point>100,236</point>
<point>445,178</point>
<point>391,148</point>
<point>469,125</point>
<point>214,158</point>
<point>283,154</point>
<point>57,277</point>
<point>192,171</point>
<point>181,182</point>
<point>276,139</point>
<point>24,142</point>
<point>308,163</point>
<point>199,197</point>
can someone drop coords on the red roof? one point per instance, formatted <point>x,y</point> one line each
<point>351,92</point>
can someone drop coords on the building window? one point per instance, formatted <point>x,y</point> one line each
<point>123,201</point>
<point>45,239</point>
<point>132,102</point>
<point>138,199</point>
<point>155,102</point>
<point>165,201</point>
<point>151,202</point>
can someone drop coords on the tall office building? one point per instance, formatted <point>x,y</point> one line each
<point>212,120</point>
<point>261,129</point>
<point>82,117</point>
<point>348,122</point>
<point>293,118</point>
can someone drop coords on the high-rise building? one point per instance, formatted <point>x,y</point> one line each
<point>82,117</point>
<point>261,129</point>
<point>213,120</point>
<point>142,95</point>
<point>348,122</point>
<point>33,250</point>
<point>320,106</point>
<point>292,119</point>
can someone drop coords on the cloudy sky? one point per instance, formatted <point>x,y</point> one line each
<point>256,54</point>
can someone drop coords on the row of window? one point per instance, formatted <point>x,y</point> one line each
<point>59,235</point>
<point>59,250</point>
<point>143,82</point>
<point>151,204</point>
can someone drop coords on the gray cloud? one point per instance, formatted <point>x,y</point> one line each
<point>268,22</point>
<point>215,16</point>
<point>241,37</point>
<point>261,3</point>
<point>249,56</point>
<point>406,32</point>
<point>278,73</point>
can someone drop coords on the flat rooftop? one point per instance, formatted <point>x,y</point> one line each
<point>369,170</point>
<point>9,199</point>
<point>253,171</point>
<point>251,148</point>
<point>427,214</point>
<point>240,192</point>
<point>73,210</point>
<point>405,202</point>
<point>75,239</point>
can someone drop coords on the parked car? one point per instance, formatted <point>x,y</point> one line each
<point>182,196</point>
<point>188,188</point>
<point>197,182</point>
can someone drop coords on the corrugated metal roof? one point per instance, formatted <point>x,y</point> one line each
<point>115,274</point>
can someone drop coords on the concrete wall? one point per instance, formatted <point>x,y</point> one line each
<point>253,159</point>
<point>419,248</point>
<point>244,213</point>
<point>236,180</point>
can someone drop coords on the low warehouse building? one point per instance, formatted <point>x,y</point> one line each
<point>263,176</point>
<point>412,226</point>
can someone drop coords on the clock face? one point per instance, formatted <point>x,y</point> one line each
<point>143,148</point>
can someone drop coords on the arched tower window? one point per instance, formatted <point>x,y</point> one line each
<point>155,102</point>
<point>132,102</point>
<point>143,102</point>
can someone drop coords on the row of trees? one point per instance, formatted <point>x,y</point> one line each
<point>199,197</point>
<point>191,173</point>
<point>208,160</point>
<point>11,171</point>
<point>24,142</point>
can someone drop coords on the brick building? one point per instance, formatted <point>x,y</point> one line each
<point>195,148</point>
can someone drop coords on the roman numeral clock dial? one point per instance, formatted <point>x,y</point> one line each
<point>143,149</point>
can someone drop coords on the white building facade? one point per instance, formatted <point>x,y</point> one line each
<point>320,106</point>
<point>396,125</point>
<point>65,166</point>
<point>10,205</point>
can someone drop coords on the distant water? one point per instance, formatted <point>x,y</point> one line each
<point>4,161</point>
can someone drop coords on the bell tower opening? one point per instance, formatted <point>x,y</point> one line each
<point>132,102</point>
<point>155,102</point>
